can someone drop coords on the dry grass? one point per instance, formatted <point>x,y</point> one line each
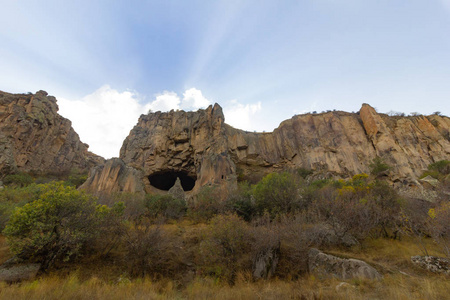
<point>102,280</point>
<point>5,254</point>
<point>391,287</point>
<point>391,256</point>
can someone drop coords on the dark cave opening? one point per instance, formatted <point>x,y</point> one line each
<point>166,179</point>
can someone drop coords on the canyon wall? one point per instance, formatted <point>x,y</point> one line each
<point>202,150</point>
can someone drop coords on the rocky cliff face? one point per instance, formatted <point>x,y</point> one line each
<point>35,138</point>
<point>200,149</point>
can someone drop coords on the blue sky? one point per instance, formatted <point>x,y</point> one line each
<point>262,61</point>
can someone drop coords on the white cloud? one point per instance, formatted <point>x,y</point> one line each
<point>194,99</point>
<point>104,118</point>
<point>165,102</point>
<point>240,116</point>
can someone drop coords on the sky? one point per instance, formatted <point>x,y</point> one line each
<point>107,62</point>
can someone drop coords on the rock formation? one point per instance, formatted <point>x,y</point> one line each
<point>326,265</point>
<point>200,149</point>
<point>35,138</point>
<point>432,263</point>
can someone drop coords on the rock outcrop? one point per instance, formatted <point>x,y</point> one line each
<point>325,265</point>
<point>265,262</point>
<point>12,273</point>
<point>200,149</point>
<point>432,263</point>
<point>35,138</point>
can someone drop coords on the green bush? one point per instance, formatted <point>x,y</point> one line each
<point>76,179</point>
<point>55,227</point>
<point>378,166</point>
<point>18,180</point>
<point>278,193</point>
<point>166,206</point>
<point>442,166</point>
<point>12,197</point>
<point>241,203</point>
<point>302,172</point>
<point>438,170</point>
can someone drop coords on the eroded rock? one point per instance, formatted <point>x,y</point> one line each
<point>201,146</point>
<point>18,272</point>
<point>35,138</point>
<point>326,265</point>
<point>114,176</point>
<point>265,262</point>
<point>432,263</point>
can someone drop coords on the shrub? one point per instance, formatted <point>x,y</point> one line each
<point>439,224</point>
<point>225,246</point>
<point>55,227</point>
<point>278,193</point>
<point>152,251</point>
<point>206,205</point>
<point>344,213</point>
<point>18,180</point>
<point>76,179</point>
<point>384,207</point>
<point>240,202</point>
<point>12,197</point>
<point>302,172</point>
<point>442,166</point>
<point>166,206</point>
<point>378,166</point>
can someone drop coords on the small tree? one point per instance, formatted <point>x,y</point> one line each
<point>278,193</point>
<point>378,166</point>
<point>55,227</point>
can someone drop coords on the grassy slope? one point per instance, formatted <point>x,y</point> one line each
<point>92,279</point>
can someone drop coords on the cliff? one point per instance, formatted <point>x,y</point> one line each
<point>200,149</point>
<point>35,138</point>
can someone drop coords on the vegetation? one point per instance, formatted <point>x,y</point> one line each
<point>165,206</point>
<point>378,166</point>
<point>438,170</point>
<point>18,180</point>
<point>158,246</point>
<point>55,227</point>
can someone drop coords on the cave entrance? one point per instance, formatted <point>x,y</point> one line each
<point>166,179</point>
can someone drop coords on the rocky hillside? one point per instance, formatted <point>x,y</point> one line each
<point>200,149</point>
<point>35,138</point>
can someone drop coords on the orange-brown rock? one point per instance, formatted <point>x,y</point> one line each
<point>35,138</point>
<point>200,149</point>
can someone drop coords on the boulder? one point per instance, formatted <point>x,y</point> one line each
<point>432,263</point>
<point>18,272</point>
<point>433,182</point>
<point>325,265</point>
